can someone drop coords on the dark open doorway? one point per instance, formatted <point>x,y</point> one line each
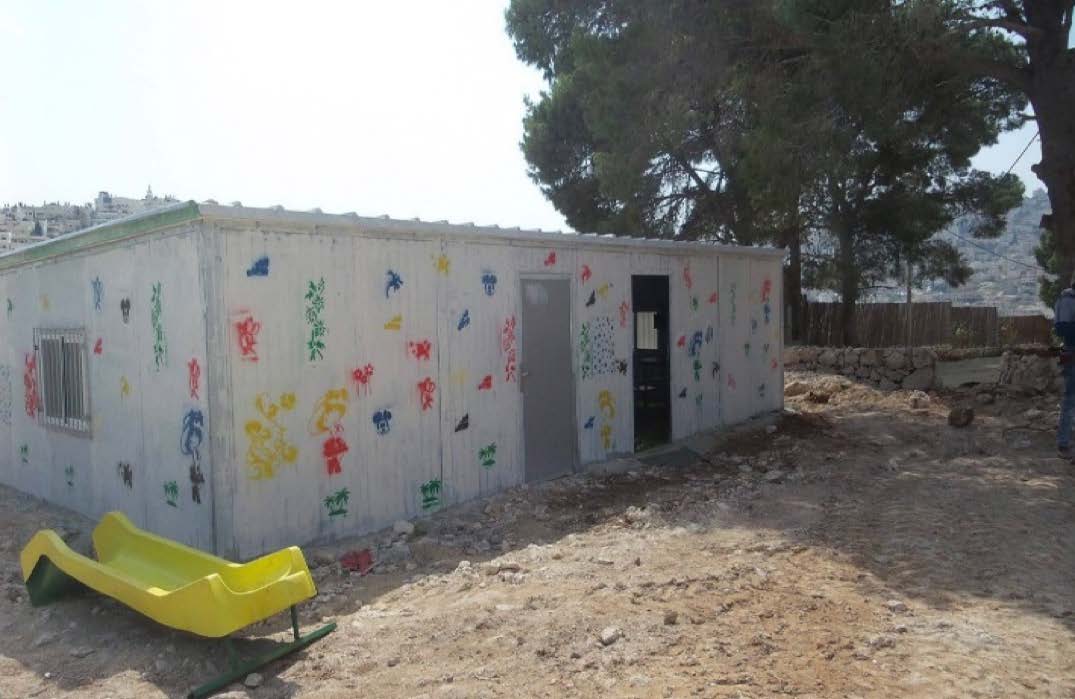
<point>652,376</point>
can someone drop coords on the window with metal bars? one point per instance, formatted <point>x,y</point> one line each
<point>62,380</point>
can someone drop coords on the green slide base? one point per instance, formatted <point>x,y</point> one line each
<point>241,668</point>
<point>47,583</point>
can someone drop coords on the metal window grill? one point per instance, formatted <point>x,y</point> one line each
<point>62,385</point>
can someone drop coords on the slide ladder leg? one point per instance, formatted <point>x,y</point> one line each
<point>239,668</point>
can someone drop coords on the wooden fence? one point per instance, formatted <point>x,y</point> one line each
<point>932,323</point>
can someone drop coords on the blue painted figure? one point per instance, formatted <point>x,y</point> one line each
<point>1065,328</point>
<point>190,440</point>
<point>393,282</point>
<point>696,344</point>
<point>489,283</point>
<point>382,420</point>
<point>589,423</point>
<point>260,268</point>
<point>98,293</point>
<point>464,320</point>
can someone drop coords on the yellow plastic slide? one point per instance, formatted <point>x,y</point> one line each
<point>168,582</point>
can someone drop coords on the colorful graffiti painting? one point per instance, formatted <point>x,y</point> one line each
<point>621,366</point>
<point>507,347</point>
<point>585,274</point>
<point>683,392</point>
<point>606,404</point>
<point>714,371</point>
<point>394,323</point>
<point>443,265</point>
<point>333,451</point>
<point>337,502</point>
<point>486,383</point>
<point>125,310</point>
<point>625,312</point>
<point>687,281</point>
<point>431,491</point>
<point>603,290</point>
<point>597,347</point>
<point>393,282</point>
<point>695,345</point>
<point>464,320</point>
<point>315,306</point>
<point>773,364</point>
<point>550,259</point>
<point>156,321</point>
<point>761,391</point>
<point>197,479</point>
<point>420,350</point>
<point>694,303</point>
<point>698,400</point>
<point>682,341</point>
<point>713,297</point>
<point>99,346</point>
<point>329,410</point>
<point>487,455</point>
<point>489,282</point>
<point>708,334</point>
<point>190,441</point>
<point>382,421</point>
<point>7,400</point>
<point>269,448</point>
<point>98,288</point>
<point>592,299</point>
<point>606,436</point>
<point>463,424</point>
<point>746,348</point>
<point>260,268</point>
<point>426,389</point>
<point>588,425</point>
<point>24,453</point>
<point>126,474</point>
<point>32,399</point>
<point>10,307</point>
<point>171,493</point>
<point>194,378</point>
<point>361,378</point>
<point>696,367</point>
<point>731,381</point>
<point>69,475</point>
<point>247,329</point>
<point>124,387</point>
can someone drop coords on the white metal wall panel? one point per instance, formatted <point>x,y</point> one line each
<point>603,354</point>
<point>137,407</point>
<point>737,402</point>
<point>767,342</point>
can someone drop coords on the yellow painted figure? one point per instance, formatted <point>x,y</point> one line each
<point>269,448</point>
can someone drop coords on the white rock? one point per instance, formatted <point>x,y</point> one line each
<point>894,605</point>
<point>402,526</point>
<point>252,680</point>
<point>609,635</point>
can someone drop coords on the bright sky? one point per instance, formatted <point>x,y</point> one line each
<point>405,108</point>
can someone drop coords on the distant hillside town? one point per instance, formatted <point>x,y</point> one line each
<point>1005,271</point>
<point>24,224</point>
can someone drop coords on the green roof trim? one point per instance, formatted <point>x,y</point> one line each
<point>110,232</point>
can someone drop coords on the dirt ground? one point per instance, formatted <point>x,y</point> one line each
<point>863,549</point>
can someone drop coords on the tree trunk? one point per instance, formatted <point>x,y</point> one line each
<point>793,285</point>
<point>849,285</point>
<point>1051,90</point>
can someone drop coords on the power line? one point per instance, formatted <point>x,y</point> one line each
<point>994,253</point>
<point>1025,149</point>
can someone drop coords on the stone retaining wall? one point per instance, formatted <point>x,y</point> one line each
<point>887,369</point>
<point>1035,372</point>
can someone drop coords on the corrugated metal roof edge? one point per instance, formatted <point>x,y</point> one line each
<point>437,229</point>
<point>184,212</point>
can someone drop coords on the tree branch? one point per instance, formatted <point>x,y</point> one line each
<point>1015,76</point>
<point>1021,28</point>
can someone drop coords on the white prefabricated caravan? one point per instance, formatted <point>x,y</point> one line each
<point>243,379</point>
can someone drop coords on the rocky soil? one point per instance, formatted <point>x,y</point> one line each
<point>863,547</point>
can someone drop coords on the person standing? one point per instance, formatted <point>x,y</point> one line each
<point>1064,325</point>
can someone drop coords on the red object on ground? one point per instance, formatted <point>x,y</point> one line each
<point>357,561</point>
